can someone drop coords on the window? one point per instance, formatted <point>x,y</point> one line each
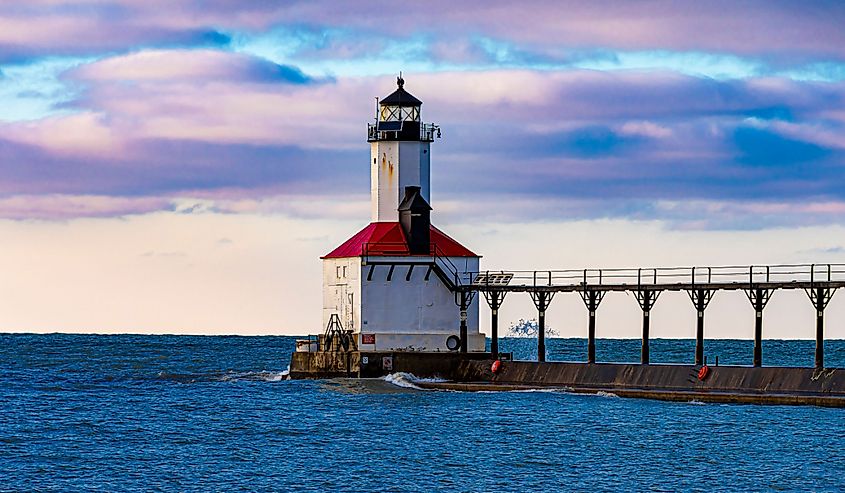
<point>400,113</point>
<point>410,113</point>
<point>389,113</point>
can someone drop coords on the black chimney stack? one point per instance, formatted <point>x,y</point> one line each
<point>415,217</point>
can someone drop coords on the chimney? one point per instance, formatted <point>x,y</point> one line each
<point>415,217</point>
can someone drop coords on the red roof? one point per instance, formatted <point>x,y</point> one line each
<point>388,239</point>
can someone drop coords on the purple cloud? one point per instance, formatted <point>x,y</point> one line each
<point>165,124</point>
<point>804,31</point>
<point>655,137</point>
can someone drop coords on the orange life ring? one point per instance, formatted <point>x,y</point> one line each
<point>702,373</point>
<point>497,365</point>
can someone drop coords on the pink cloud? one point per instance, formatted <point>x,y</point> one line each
<point>81,133</point>
<point>58,207</point>
<point>222,97</point>
<point>779,30</point>
<point>172,124</point>
<point>646,129</point>
<point>175,66</point>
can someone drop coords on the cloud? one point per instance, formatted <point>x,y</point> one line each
<point>175,66</point>
<point>802,31</point>
<point>245,134</point>
<point>174,167</point>
<point>476,30</point>
<point>645,129</point>
<point>681,214</point>
<point>63,207</point>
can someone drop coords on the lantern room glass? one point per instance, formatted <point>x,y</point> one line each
<point>400,113</point>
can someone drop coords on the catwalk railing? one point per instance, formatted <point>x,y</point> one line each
<point>784,276</point>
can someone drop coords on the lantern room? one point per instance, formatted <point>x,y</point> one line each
<point>398,118</point>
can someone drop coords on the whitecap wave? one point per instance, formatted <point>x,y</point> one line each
<point>602,393</point>
<point>256,376</point>
<point>402,379</point>
<point>528,391</point>
<point>277,376</point>
<point>695,403</point>
<point>430,380</point>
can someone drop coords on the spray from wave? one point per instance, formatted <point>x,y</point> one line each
<point>256,376</point>
<point>430,380</point>
<point>229,376</point>
<point>402,379</point>
<point>546,390</point>
<point>602,393</point>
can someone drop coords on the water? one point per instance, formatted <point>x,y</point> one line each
<point>167,413</point>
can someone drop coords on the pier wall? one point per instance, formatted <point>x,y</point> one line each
<point>668,382</point>
<point>472,372</point>
<point>369,364</point>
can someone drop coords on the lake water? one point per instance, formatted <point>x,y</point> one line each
<point>184,413</point>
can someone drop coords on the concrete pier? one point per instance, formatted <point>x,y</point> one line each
<point>374,364</point>
<point>733,384</point>
<point>472,372</point>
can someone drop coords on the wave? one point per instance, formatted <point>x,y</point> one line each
<point>402,379</point>
<point>256,376</point>
<point>602,393</point>
<point>409,381</point>
<point>430,380</point>
<point>230,376</point>
<point>550,390</point>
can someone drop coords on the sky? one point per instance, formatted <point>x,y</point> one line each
<point>179,166</point>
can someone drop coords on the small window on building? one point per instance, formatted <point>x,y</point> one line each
<point>338,271</point>
<point>344,272</point>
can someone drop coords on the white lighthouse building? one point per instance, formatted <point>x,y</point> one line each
<point>393,284</point>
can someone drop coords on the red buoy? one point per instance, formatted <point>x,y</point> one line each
<point>497,365</point>
<point>702,373</point>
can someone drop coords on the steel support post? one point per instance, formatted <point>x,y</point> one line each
<point>541,335</point>
<point>541,299</point>
<point>758,337</point>
<point>494,331</point>
<point>759,298</point>
<point>592,299</point>
<point>820,298</point>
<point>494,299</point>
<point>646,299</point>
<point>700,298</point>
<point>819,360</point>
<point>464,306</point>
<point>644,349</point>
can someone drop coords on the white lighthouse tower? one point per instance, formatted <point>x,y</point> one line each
<point>400,147</point>
<point>394,283</point>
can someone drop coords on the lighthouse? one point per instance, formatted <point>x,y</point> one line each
<point>393,286</point>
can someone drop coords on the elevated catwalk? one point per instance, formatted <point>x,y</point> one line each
<point>758,282</point>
